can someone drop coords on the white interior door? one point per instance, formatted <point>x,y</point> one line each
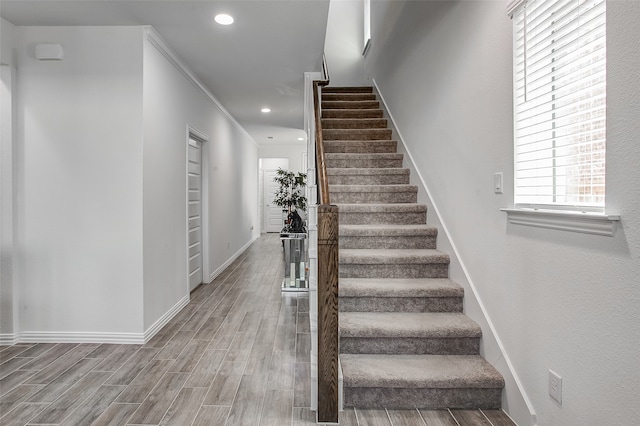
<point>195,213</point>
<point>273,214</point>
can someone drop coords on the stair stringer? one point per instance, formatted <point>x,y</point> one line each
<point>515,401</point>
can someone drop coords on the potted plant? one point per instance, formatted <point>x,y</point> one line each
<point>290,197</point>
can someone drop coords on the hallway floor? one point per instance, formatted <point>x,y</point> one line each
<point>237,354</point>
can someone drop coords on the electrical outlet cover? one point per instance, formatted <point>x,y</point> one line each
<point>555,386</point>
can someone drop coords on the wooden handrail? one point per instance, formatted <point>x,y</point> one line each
<point>321,168</point>
<point>327,275</point>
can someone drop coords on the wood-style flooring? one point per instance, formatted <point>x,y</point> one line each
<point>237,354</point>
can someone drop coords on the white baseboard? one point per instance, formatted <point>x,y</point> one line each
<point>79,337</point>
<point>164,319</point>
<point>7,339</point>
<point>94,336</point>
<point>229,261</point>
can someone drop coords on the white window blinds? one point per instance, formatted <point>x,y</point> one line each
<point>560,104</point>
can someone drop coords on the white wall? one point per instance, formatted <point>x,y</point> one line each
<point>171,103</point>
<point>293,152</point>
<point>344,43</point>
<point>8,316</point>
<point>100,186</point>
<point>7,42</point>
<point>558,300</point>
<point>79,172</point>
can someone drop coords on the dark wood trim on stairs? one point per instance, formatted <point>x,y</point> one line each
<point>328,314</point>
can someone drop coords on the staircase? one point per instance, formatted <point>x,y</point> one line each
<point>404,340</point>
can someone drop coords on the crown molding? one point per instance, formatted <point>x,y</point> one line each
<point>158,42</point>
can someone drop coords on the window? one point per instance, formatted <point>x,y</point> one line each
<point>559,104</point>
<point>367,27</point>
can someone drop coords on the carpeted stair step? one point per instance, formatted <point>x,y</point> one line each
<point>354,214</point>
<point>347,89</point>
<point>400,295</point>
<point>397,263</point>
<point>356,134</point>
<point>342,160</point>
<point>435,333</point>
<point>387,236</point>
<point>350,105</point>
<point>373,193</point>
<point>354,123</point>
<point>420,381</point>
<point>348,96</point>
<point>362,147</point>
<point>374,176</point>
<point>352,113</point>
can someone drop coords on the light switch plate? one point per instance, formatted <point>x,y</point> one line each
<point>497,183</point>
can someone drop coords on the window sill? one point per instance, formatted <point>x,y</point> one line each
<point>586,223</point>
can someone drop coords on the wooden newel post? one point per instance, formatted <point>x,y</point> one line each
<point>327,314</point>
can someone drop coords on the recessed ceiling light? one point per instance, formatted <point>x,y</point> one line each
<point>300,139</point>
<point>224,19</point>
<point>266,109</point>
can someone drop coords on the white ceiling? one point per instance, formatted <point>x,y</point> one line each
<point>256,62</point>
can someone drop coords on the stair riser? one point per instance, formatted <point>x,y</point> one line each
<point>382,218</point>
<point>363,163</point>
<point>350,105</point>
<point>355,134</point>
<point>357,147</point>
<point>407,345</point>
<point>373,197</point>
<point>430,270</point>
<point>348,97</point>
<point>347,89</point>
<point>427,398</point>
<point>400,304</point>
<point>356,124</point>
<point>352,113</point>
<point>388,242</point>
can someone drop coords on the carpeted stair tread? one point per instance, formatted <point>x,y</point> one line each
<point>363,160</point>
<point>353,113</point>
<point>381,208</point>
<point>363,156</point>
<point>356,134</point>
<point>370,171</point>
<point>372,188</point>
<point>350,105</point>
<point>387,230</point>
<point>363,147</point>
<point>419,371</point>
<point>407,325</point>
<point>399,287</point>
<point>354,123</point>
<point>348,96</point>
<point>392,256</point>
<point>381,213</point>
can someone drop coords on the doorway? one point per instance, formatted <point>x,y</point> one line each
<point>271,214</point>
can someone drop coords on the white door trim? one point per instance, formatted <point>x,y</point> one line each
<point>193,133</point>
